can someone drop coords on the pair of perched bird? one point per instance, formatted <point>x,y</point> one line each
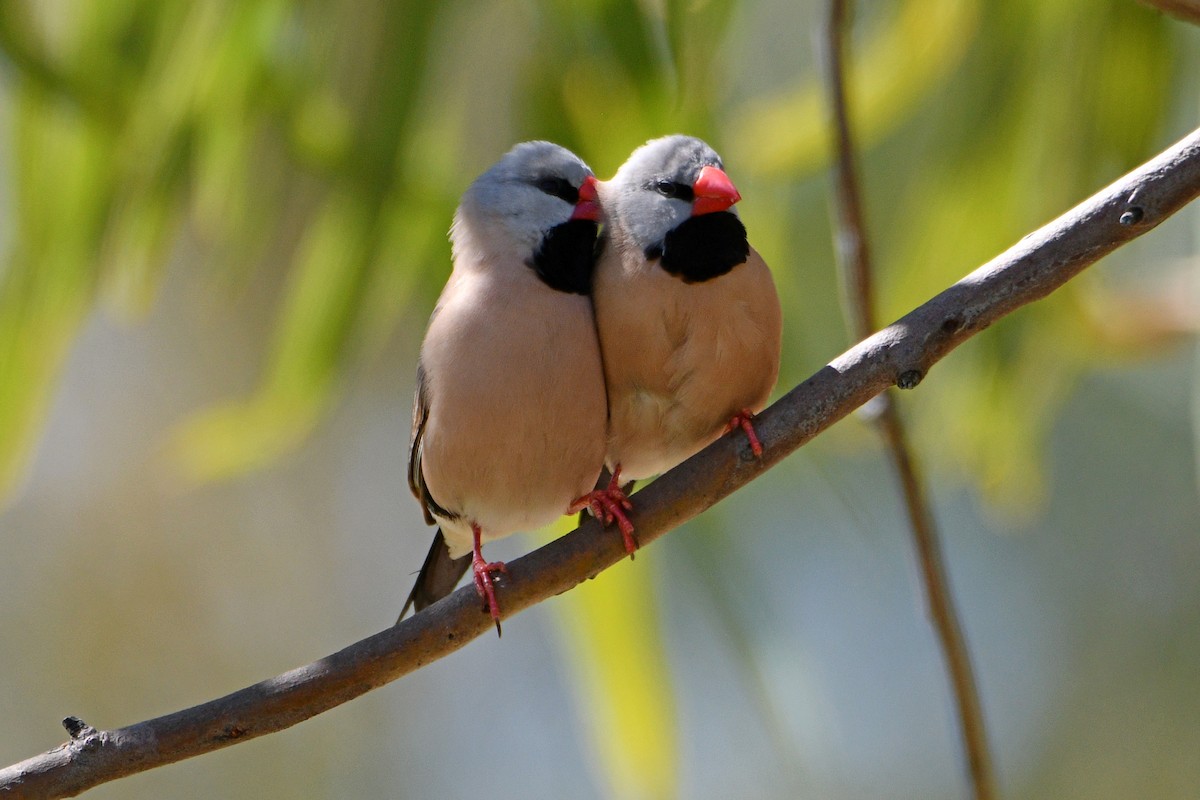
<point>553,352</point>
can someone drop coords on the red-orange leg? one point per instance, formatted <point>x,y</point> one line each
<point>609,505</point>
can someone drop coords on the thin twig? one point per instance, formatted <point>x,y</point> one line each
<point>941,608</point>
<point>850,228</point>
<point>901,354</point>
<point>855,265</point>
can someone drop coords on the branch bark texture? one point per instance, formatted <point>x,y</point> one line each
<point>900,354</point>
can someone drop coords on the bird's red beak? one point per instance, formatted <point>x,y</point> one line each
<point>713,191</point>
<point>587,207</point>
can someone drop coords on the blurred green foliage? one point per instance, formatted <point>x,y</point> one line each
<point>326,143</point>
<point>329,141</point>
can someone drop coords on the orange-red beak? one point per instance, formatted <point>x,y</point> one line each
<point>713,191</point>
<point>587,207</point>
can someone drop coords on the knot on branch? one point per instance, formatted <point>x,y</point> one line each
<point>77,728</point>
<point>1132,215</point>
<point>85,736</point>
<point>232,733</point>
<point>952,324</point>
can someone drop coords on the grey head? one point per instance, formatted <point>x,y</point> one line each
<point>508,210</point>
<point>652,193</point>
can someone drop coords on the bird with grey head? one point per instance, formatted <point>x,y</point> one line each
<point>510,414</point>
<point>689,320</point>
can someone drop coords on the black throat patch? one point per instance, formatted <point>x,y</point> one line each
<point>702,247</point>
<point>567,256</point>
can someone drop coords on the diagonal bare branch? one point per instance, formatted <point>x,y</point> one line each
<point>901,354</point>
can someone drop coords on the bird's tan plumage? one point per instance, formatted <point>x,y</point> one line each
<point>509,416</point>
<point>680,358</point>
<point>513,424</point>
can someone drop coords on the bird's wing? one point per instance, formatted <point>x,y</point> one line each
<point>416,481</point>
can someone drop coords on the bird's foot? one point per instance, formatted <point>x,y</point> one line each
<point>609,505</point>
<point>743,420</point>
<point>484,583</point>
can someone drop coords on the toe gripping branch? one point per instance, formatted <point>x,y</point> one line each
<point>609,505</point>
<point>484,583</point>
<point>743,420</point>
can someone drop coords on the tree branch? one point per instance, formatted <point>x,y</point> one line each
<point>854,257</point>
<point>850,226</point>
<point>900,354</point>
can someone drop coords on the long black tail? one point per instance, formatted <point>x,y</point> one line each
<point>438,576</point>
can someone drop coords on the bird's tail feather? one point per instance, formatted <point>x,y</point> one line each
<point>438,576</point>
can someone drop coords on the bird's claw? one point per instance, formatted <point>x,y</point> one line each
<point>485,587</point>
<point>743,419</point>
<point>609,505</point>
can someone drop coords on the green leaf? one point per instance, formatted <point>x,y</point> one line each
<point>903,59</point>
<point>315,325</point>
<point>48,280</point>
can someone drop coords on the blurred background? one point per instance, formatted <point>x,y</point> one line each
<point>223,227</point>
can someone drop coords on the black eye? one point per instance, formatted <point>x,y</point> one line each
<point>558,187</point>
<point>674,190</point>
